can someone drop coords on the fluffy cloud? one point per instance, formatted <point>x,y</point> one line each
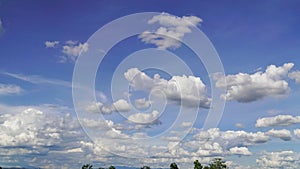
<point>94,107</point>
<point>282,134</point>
<point>115,134</point>
<point>6,89</point>
<point>32,127</point>
<point>234,165</point>
<point>230,142</point>
<point>51,44</point>
<point>295,75</point>
<point>245,87</point>
<point>119,106</point>
<point>297,133</point>
<point>184,90</point>
<point>281,159</point>
<point>172,29</point>
<point>240,151</point>
<point>139,80</point>
<point>122,106</point>
<point>92,123</point>
<point>144,118</point>
<point>234,137</point>
<point>210,149</point>
<point>45,132</point>
<point>142,103</point>
<point>73,49</point>
<point>204,144</point>
<point>280,120</point>
<point>53,137</point>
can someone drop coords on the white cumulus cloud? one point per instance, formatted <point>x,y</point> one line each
<point>172,29</point>
<point>240,151</point>
<point>33,127</point>
<point>144,118</point>
<point>94,107</point>
<point>295,75</point>
<point>230,142</point>
<point>51,44</point>
<point>142,103</point>
<point>70,49</point>
<point>120,105</point>
<point>280,120</point>
<point>297,133</point>
<point>188,91</point>
<point>244,87</point>
<point>283,134</point>
<point>280,159</point>
<point>73,50</point>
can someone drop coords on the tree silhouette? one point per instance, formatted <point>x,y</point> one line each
<point>87,166</point>
<point>111,167</point>
<point>197,165</point>
<point>217,163</point>
<point>173,166</point>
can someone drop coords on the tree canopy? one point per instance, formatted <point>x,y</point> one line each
<point>111,167</point>
<point>173,166</point>
<point>216,163</point>
<point>197,165</point>
<point>87,166</point>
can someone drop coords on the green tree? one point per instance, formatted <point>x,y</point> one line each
<point>111,167</point>
<point>206,167</point>
<point>217,163</point>
<point>173,166</point>
<point>197,165</point>
<point>87,166</point>
<point>145,167</point>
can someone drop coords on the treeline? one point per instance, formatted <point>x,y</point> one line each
<point>216,163</point>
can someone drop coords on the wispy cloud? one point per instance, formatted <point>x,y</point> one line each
<point>35,79</point>
<point>7,89</point>
<point>1,27</point>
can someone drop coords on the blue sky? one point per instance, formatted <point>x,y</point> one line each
<point>148,100</point>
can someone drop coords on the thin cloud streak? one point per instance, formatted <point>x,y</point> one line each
<point>35,79</point>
